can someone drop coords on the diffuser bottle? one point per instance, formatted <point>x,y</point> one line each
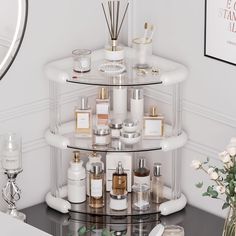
<point>157,184</point>
<point>76,180</point>
<point>137,105</point>
<point>93,158</point>
<point>102,107</point>
<point>83,119</point>
<point>96,186</point>
<point>142,174</point>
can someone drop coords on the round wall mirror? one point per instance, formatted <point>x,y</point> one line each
<point>13,20</point>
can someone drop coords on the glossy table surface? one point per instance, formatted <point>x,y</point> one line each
<point>195,222</point>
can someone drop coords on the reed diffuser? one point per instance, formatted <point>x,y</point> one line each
<point>114,20</point>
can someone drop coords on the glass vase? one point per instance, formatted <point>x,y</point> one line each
<point>229,226</point>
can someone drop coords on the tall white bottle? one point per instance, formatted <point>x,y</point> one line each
<point>76,180</point>
<point>137,105</point>
<point>120,102</point>
<point>93,158</point>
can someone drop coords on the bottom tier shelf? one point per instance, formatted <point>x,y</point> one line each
<point>84,208</point>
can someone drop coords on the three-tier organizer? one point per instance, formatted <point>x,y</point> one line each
<point>61,136</point>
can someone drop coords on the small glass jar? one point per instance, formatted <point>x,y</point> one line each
<point>130,138</point>
<point>173,230</point>
<point>115,126</point>
<point>140,197</point>
<point>130,125</point>
<point>101,135</point>
<point>82,60</point>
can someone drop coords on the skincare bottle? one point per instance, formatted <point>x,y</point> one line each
<point>137,105</point>
<point>153,124</point>
<point>120,102</point>
<point>96,186</point>
<point>76,180</point>
<point>157,184</point>
<point>93,158</point>
<point>102,107</point>
<point>142,174</point>
<point>83,119</point>
<point>119,180</point>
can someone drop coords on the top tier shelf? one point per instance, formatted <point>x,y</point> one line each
<point>169,72</point>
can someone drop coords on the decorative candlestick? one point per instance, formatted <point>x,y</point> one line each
<point>12,165</point>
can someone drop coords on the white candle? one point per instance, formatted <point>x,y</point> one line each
<point>11,160</point>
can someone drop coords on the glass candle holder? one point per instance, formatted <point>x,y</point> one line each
<point>11,152</point>
<point>173,230</point>
<point>140,197</point>
<point>82,60</point>
<point>142,51</point>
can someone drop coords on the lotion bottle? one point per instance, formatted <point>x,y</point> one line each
<point>76,180</point>
<point>120,102</point>
<point>93,158</point>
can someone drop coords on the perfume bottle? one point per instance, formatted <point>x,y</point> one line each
<point>142,174</point>
<point>93,158</point>
<point>153,124</point>
<point>83,118</point>
<point>76,180</point>
<point>137,106</point>
<point>102,107</point>
<point>96,186</point>
<point>119,180</point>
<point>157,184</point>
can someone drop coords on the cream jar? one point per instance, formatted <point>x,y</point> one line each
<point>130,125</point>
<point>118,202</point>
<point>130,138</point>
<point>115,126</point>
<point>101,135</point>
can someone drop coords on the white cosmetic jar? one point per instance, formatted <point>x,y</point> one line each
<point>130,126</point>
<point>115,126</point>
<point>130,138</point>
<point>101,135</point>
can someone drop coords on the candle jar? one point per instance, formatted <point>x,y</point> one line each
<point>82,60</point>
<point>11,152</point>
<point>101,135</point>
<point>142,51</point>
<point>173,230</point>
<point>140,197</point>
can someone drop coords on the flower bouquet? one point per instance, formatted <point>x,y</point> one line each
<point>224,186</point>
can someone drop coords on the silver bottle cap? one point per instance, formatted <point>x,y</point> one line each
<point>119,168</point>
<point>96,168</point>
<point>115,124</point>
<point>84,103</point>
<point>101,130</point>
<point>130,123</point>
<point>157,169</point>
<point>130,135</point>
<point>141,163</point>
<point>137,93</point>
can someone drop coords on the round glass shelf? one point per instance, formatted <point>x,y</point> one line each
<point>86,144</point>
<point>84,208</point>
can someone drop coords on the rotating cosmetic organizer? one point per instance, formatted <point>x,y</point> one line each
<point>60,136</point>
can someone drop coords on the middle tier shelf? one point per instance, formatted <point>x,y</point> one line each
<point>66,139</point>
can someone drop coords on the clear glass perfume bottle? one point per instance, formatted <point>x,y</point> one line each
<point>119,180</point>
<point>157,184</point>
<point>96,186</point>
<point>153,124</point>
<point>142,174</point>
<point>102,107</point>
<point>83,119</point>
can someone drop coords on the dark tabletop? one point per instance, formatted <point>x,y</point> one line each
<point>195,222</point>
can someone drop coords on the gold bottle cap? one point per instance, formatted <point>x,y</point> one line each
<point>103,93</point>
<point>76,158</point>
<point>153,112</point>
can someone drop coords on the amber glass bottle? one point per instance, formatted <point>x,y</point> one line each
<point>119,181</point>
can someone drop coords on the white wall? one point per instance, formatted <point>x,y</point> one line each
<point>57,27</point>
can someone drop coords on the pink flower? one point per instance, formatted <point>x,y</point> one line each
<point>225,157</point>
<point>220,189</point>
<point>196,164</point>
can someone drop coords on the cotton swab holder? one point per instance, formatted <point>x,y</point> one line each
<point>142,51</point>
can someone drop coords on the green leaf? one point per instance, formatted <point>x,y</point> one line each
<point>106,232</point>
<point>199,185</point>
<point>206,194</point>
<point>225,205</point>
<point>214,194</point>
<point>209,189</point>
<point>82,230</point>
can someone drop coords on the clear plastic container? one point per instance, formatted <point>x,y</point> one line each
<point>82,60</point>
<point>140,197</point>
<point>173,230</point>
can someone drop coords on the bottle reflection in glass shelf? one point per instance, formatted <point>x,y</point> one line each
<point>83,119</point>
<point>102,107</point>
<point>157,184</point>
<point>96,186</point>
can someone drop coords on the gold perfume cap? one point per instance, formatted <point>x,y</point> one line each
<point>76,158</point>
<point>153,112</point>
<point>103,93</point>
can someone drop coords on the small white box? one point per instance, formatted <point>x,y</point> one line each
<point>112,160</point>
